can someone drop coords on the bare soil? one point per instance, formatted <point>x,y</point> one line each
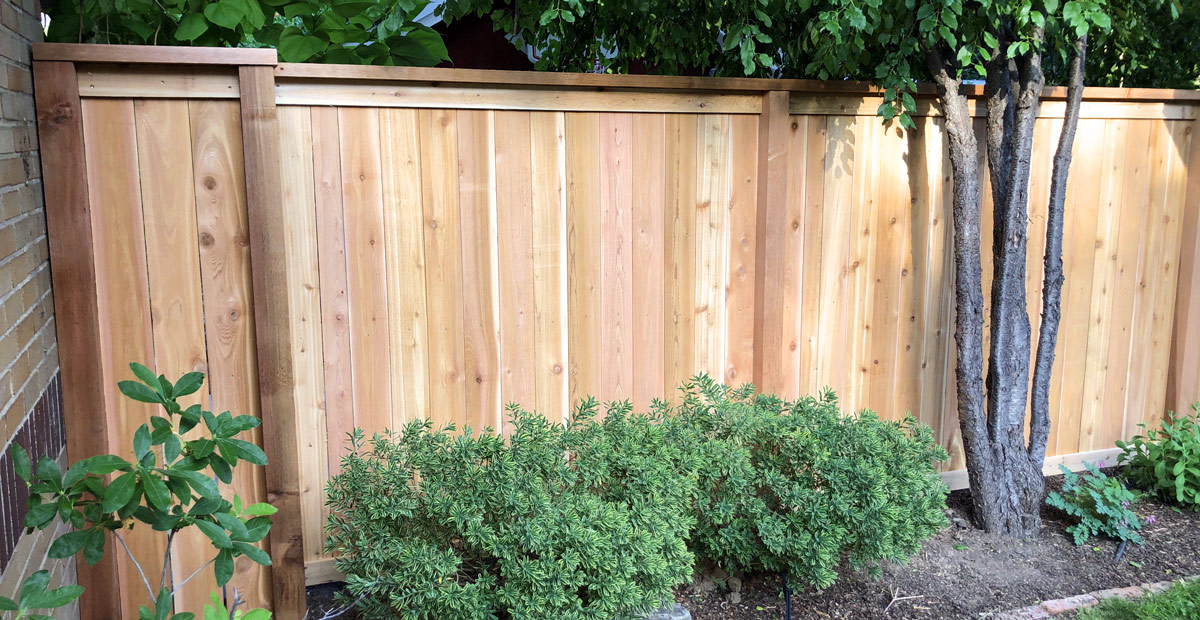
<point>959,573</point>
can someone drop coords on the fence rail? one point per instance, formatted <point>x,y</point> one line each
<point>360,246</point>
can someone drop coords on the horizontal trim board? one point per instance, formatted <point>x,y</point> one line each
<point>322,571</point>
<point>144,82</point>
<point>451,97</point>
<point>672,82</point>
<point>841,105</point>
<point>957,479</point>
<point>154,54</point>
<point>168,55</point>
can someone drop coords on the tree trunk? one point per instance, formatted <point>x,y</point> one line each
<point>1004,470</point>
<point>1039,422</point>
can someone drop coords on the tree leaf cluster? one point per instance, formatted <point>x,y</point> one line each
<point>384,32</point>
<point>1166,461</point>
<point>169,482</point>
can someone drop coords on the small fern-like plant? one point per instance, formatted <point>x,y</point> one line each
<point>795,487</point>
<point>1100,504</point>
<point>582,521</point>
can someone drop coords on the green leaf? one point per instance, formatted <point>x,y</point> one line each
<point>223,567</point>
<point>7,604</point>
<point>141,442</point>
<point>117,494</point>
<point>224,13</point>
<point>69,544</point>
<point>254,553</point>
<point>20,459</point>
<point>47,469</point>
<point>188,384</point>
<point>145,375</point>
<point>1051,6</point>
<point>295,46</point>
<point>106,464</point>
<point>40,515</point>
<point>421,48</point>
<point>237,529</point>
<point>249,452</point>
<point>260,509</point>
<point>203,484</point>
<point>34,584</point>
<point>171,449</point>
<point>156,491</point>
<point>57,597</point>
<point>215,533</point>
<point>139,392</point>
<point>257,614</point>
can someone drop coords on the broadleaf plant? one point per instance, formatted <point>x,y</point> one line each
<point>170,482</point>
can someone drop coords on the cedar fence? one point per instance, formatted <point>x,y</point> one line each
<point>344,246</point>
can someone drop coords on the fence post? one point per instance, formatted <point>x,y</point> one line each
<point>769,256</point>
<point>76,315</point>
<point>273,317</point>
<point>1183,377</point>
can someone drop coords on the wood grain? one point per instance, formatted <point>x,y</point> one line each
<point>76,314</point>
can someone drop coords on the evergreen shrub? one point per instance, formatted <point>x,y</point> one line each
<point>586,520</point>
<point>796,487</point>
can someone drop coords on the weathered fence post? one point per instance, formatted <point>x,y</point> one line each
<point>69,224</point>
<point>1183,380</point>
<point>273,317</point>
<point>769,347</point>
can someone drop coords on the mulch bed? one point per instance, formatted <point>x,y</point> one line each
<point>961,573</point>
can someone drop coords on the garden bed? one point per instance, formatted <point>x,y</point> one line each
<point>963,573</point>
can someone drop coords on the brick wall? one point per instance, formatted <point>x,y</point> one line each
<point>30,393</point>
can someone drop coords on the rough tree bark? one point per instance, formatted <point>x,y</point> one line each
<point>1005,470</point>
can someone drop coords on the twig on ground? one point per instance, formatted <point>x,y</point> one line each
<point>896,598</point>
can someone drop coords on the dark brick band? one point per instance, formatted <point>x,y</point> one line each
<point>41,435</point>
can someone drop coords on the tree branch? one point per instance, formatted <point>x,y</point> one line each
<point>1039,422</point>
<point>968,270</point>
<point>998,93</point>
<point>149,590</point>
<point>1008,367</point>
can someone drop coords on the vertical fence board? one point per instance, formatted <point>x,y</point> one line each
<point>514,221</point>
<point>616,256</point>
<point>331,261</point>
<point>1083,196</point>
<point>814,245</point>
<point>304,300</point>
<point>408,336</point>
<point>649,273</point>
<point>229,309</point>
<point>795,271</point>
<point>1183,381</point>
<point>444,274</point>
<point>366,268</point>
<point>176,307</point>
<point>481,329</point>
<point>547,133</point>
<point>124,306</point>
<point>712,243</point>
<point>680,249</point>
<point>583,254</point>
<point>741,274</point>
<point>72,248</point>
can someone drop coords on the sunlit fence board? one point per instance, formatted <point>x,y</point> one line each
<point>454,249</point>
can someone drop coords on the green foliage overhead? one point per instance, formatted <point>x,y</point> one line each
<point>342,31</point>
<point>1100,505</point>
<point>579,521</point>
<point>1166,461</point>
<point>1151,45</point>
<point>796,487</point>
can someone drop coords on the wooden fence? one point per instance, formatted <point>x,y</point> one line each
<point>434,243</point>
